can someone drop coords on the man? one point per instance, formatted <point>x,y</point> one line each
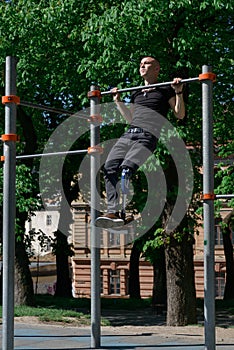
<point>135,145</point>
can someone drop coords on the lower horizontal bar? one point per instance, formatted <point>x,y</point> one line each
<point>51,154</point>
<point>217,196</point>
<point>183,81</point>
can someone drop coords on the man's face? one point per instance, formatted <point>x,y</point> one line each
<point>149,67</point>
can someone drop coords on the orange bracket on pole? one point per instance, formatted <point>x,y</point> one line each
<point>11,99</point>
<point>208,76</point>
<point>95,118</point>
<point>95,149</point>
<point>10,137</point>
<point>2,158</point>
<point>208,196</point>
<point>94,93</point>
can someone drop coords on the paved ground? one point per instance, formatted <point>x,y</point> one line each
<point>47,337</point>
<point>129,331</point>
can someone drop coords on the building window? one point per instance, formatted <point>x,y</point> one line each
<point>218,235</point>
<point>48,220</point>
<point>47,246</point>
<point>114,281</point>
<point>219,284</point>
<point>114,239</point>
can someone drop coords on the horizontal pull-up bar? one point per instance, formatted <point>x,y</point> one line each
<point>51,154</point>
<point>224,196</point>
<point>183,81</point>
<point>51,109</point>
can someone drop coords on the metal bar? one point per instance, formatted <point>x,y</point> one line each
<point>52,109</point>
<point>189,80</point>
<point>208,212</point>
<point>95,238</point>
<point>51,154</point>
<point>225,196</point>
<point>44,108</point>
<point>9,211</point>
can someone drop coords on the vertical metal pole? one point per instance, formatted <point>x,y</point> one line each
<point>95,207</point>
<point>9,210</point>
<point>208,212</point>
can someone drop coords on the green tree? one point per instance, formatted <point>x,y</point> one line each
<point>63,46</point>
<point>183,35</point>
<point>224,185</point>
<point>45,38</point>
<point>26,203</point>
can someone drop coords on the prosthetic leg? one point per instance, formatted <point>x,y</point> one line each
<point>112,220</point>
<point>125,181</point>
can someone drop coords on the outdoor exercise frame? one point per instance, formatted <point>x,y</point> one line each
<point>9,139</point>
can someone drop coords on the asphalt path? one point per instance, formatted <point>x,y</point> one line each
<point>128,330</point>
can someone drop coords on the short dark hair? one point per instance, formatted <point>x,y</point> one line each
<point>152,56</point>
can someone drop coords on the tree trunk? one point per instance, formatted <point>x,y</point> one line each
<point>24,294</point>
<point>159,299</point>
<point>62,248</point>
<point>181,295</point>
<point>63,284</point>
<point>134,279</point>
<point>228,251</point>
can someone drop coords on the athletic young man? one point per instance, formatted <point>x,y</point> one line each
<point>139,141</point>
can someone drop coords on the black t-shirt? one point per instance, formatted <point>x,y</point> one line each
<point>150,107</point>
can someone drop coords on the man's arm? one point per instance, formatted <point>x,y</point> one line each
<point>126,112</point>
<point>177,102</point>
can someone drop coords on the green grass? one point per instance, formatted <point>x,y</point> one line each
<point>225,305</point>
<point>84,303</point>
<point>125,304</point>
<point>51,314</point>
<point>49,308</point>
<point>77,310</point>
<point>53,309</point>
<point>51,302</point>
<point>220,305</point>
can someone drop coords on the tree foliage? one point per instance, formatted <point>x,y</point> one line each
<point>63,46</point>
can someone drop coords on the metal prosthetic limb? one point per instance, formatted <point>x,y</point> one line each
<point>125,182</point>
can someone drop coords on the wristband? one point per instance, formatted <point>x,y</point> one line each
<point>179,93</point>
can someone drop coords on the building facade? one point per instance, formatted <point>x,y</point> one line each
<point>115,257</point>
<point>115,254</point>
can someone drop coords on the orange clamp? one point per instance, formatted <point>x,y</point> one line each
<point>95,118</point>
<point>208,76</point>
<point>95,149</point>
<point>2,158</point>
<point>94,93</point>
<point>207,196</point>
<point>10,137</point>
<point>10,99</point>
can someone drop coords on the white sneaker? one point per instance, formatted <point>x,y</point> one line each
<point>109,220</point>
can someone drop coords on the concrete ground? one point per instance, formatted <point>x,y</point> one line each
<point>52,337</point>
<point>130,330</point>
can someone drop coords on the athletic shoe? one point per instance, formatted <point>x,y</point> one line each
<point>128,219</point>
<point>109,220</point>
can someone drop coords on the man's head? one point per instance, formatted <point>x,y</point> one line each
<point>149,69</point>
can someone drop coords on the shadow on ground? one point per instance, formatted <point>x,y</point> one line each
<point>148,317</point>
<point>145,317</point>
